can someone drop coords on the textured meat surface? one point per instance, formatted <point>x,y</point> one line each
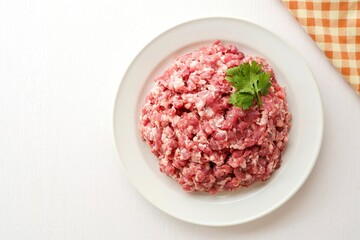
<point>202,141</point>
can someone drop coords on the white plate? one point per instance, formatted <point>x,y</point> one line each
<point>227,208</point>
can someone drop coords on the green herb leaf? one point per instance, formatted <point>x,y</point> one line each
<point>250,82</point>
<point>243,100</point>
<point>264,83</point>
<point>232,71</point>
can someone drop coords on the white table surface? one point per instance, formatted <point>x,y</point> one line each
<point>61,63</point>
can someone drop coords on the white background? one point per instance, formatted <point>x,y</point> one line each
<point>61,63</point>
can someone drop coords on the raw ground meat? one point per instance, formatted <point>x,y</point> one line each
<point>202,141</point>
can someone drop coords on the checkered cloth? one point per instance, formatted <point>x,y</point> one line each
<point>335,27</point>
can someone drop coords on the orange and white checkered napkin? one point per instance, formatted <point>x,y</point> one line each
<point>335,27</point>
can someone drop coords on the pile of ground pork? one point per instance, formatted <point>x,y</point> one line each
<point>202,141</point>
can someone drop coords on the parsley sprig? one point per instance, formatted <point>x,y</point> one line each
<point>250,82</point>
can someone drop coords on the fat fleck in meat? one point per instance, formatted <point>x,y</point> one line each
<point>202,141</point>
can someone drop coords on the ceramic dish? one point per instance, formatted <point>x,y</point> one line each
<point>242,205</point>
